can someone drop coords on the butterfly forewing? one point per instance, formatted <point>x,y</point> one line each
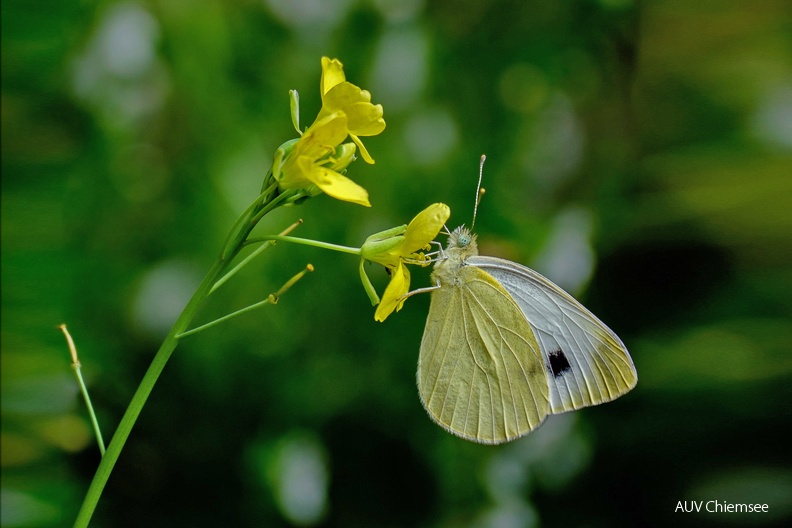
<point>480,371</point>
<point>585,361</point>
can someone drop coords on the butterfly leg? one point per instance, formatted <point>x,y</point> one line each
<point>438,252</point>
<point>420,290</point>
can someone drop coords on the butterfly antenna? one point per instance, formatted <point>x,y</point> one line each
<point>479,191</point>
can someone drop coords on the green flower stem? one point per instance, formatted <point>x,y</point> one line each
<point>244,262</point>
<point>234,243</point>
<point>78,373</point>
<point>141,395</point>
<point>242,225</point>
<point>250,257</point>
<point>91,413</point>
<point>271,299</point>
<point>276,202</point>
<point>223,319</point>
<point>306,242</point>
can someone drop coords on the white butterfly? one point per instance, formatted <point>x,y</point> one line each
<point>504,347</point>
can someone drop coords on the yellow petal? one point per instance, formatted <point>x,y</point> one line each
<point>424,227</point>
<point>392,299</point>
<point>364,119</point>
<point>324,135</point>
<point>320,139</point>
<point>344,94</point>
<point>332,74</point>
<point>363,152</point>
<point>297,174</point>
<point>338,186</point>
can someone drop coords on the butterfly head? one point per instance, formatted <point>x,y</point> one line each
<point>461,246</point>
<point>463,242</point>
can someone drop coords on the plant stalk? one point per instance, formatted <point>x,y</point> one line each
<point>141,395</point>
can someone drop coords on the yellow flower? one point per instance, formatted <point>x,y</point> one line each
<point>363,118</point>
<point>316,158</point>
<point>315,161</point>
<point>400,246</point>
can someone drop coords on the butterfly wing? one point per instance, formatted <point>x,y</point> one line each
<point>586,362</point>
<point>480,372</point>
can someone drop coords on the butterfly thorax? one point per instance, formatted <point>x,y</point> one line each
<point>461,246</point>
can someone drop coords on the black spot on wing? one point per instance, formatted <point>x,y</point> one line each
<point>558,362</point>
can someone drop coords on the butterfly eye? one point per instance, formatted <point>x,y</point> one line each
<point>463,240</point>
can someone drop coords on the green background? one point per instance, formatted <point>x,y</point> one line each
<point>639,153</point>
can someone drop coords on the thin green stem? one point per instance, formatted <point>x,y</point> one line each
<point>276,202</point>
<point>305,242</point>
<point>271,299</point>
<point>244,262</point>
<point>234,243</point>
<point>266,191</point>
<point>223,319</point>
<point>241,227</point>
<point>250,257</point>
<point>91,413</point>
<point>246,222</point>
<point>141,395</point>
<point>78,373</point>
<point>178,330</point>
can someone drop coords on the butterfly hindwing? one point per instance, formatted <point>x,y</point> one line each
<point>480,371</point>
<point>585,362</point>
